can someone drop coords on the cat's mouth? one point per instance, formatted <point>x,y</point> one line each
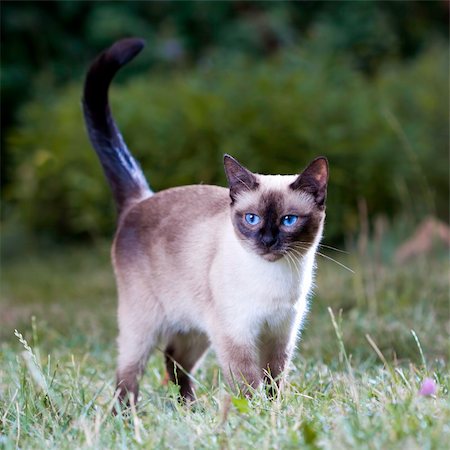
<point>272,256</point>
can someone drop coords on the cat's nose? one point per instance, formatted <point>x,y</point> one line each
<point>268,240</point>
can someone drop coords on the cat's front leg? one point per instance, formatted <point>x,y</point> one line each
<point>275,364</point>
<point>239,362</point>
<point>277,348</point>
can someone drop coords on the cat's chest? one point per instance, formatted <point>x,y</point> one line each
<point>250,297</point>
<point>272,283</point>
<point>255,283</point>
<point>247,289</point>
<point>249,293</point>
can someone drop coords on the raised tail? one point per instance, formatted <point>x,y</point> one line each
<point>127,181</point>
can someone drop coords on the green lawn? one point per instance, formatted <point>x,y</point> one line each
<point>354,383</point>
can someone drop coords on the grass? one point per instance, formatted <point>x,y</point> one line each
<point>354,381</point>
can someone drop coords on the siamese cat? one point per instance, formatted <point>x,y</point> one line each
<point>200,266</point>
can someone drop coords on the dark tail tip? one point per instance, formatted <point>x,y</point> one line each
<point>124,50</point>
<point>100,75</point>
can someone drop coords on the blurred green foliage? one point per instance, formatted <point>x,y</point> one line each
<point>386,136</point>
<point>273,83</point>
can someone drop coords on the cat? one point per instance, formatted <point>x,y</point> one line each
<point>200,266</point>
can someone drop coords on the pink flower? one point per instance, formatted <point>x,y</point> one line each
<point>428,387</point>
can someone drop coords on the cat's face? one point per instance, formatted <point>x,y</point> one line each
<point>275,215</point>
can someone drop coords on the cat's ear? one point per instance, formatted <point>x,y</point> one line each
<point>314,180</point>
<point>239,178</point>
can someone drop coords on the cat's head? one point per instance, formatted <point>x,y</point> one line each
<point>278,214</point>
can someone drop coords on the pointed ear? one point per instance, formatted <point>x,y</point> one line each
<point>239,178</point>
<point>314,180</point>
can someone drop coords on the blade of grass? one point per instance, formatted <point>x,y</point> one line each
<point>419,346</point>
<point>337,330</point>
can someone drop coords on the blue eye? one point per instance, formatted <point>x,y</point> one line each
<point>289,220</point>
<point>252,219</point>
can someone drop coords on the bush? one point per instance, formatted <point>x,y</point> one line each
<point>386,137</point>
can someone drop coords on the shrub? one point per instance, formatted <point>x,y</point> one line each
<point>386,137</point>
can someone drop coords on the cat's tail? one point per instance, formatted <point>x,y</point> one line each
<point>127,181</point>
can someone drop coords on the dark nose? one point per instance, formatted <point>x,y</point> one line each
<point>268,240</point>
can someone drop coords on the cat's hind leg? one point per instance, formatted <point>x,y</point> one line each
<point>139,333</point>
<point>182,353</point>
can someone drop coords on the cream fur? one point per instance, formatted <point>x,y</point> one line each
<point>215,285</point>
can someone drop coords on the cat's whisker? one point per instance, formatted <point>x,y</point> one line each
<point>293,262</point>
<point>337,262</point>
<point>296,249</point>
<point>326,246</point>
<point>295,267</point>
<point>330,259</point>
<point>334,248</point>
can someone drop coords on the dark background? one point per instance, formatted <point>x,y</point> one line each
<point>273,83</point>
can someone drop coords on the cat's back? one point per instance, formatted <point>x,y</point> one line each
<point>188,201</point>
<point>161,221</point>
